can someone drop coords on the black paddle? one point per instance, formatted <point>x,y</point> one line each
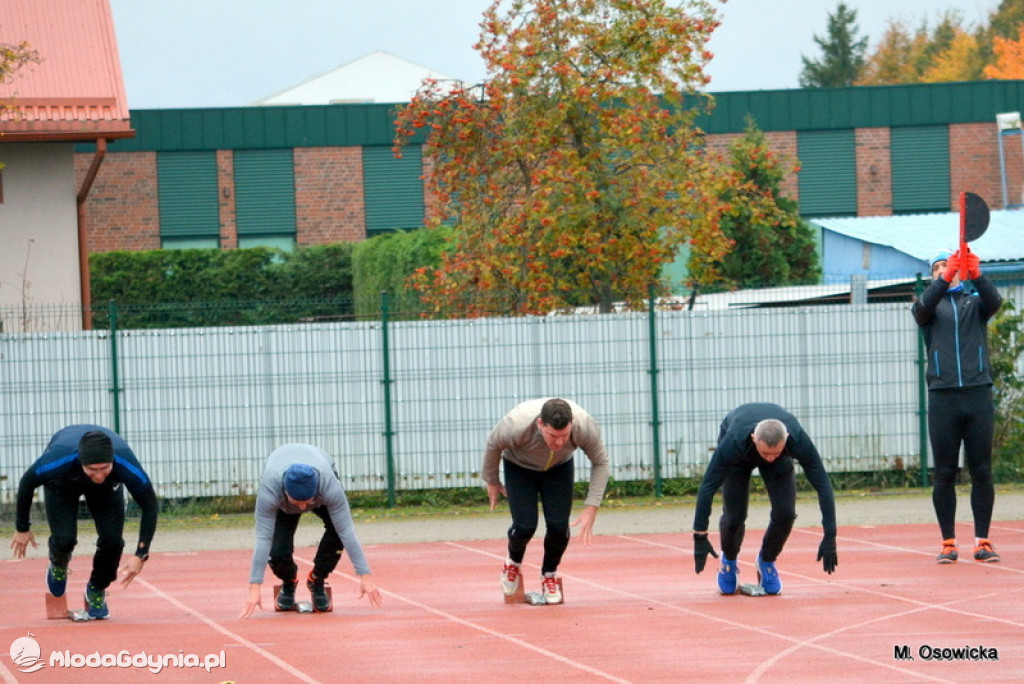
<point>974,217</point>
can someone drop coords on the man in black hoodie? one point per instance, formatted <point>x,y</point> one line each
<point>769,438</point>
<point>953,319</point>
<point>90,462</point>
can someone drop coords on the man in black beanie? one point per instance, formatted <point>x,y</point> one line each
<point>89,461</point>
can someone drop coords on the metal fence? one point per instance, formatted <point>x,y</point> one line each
<point>407,404</point>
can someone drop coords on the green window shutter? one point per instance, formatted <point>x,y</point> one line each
<point>393,189</point>
<point>187,192</point>
<point>265,192</point>
<point>920,169</point>
<point>828,173</point>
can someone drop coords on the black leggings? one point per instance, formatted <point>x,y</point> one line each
<point>962,416</point>
<point>780,483</point>
<point>106,505</point>
<point>282,548</point>
<point>554,490</point>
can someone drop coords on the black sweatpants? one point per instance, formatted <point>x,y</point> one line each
<point>962,416</point>
<point>282,547</point>
<point>780,483</point>
<point>106,505</point>
<point>553,488</point>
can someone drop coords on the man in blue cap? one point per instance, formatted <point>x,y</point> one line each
<point>299,478</point>
<point>953,320</point>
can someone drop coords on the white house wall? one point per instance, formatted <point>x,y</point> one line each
<point>38,226</point>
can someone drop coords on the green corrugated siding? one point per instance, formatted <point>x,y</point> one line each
<point>237,128</point>
<point>920,169</point>
<point>393,189</point>
<point>919,104</point>
<point>344,125</point>
<point>828,173</point>
<point>187,192</point>
<point>265,192</point>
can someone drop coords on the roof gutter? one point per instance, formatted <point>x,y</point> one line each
<point>1004,267</point>
<point>83,247</point>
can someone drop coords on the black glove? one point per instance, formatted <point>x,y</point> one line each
<point>827,553</point>
<point>701,548</point>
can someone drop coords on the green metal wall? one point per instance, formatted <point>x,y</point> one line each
<point>187,188</point>
<point>865,106</point>
<point>345,125</point>
<point>828,173</point>
<point>393,189</point>
<point>264,192</point>
<point>920,169</point>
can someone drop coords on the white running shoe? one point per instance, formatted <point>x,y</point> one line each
<point>510,578</point>
<point>552,589</point>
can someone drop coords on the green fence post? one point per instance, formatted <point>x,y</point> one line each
<point>115,362</point>
<point>386,381</point>
<point>922,395</point>
<point>655,409</point>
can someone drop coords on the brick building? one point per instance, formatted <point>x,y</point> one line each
<point>325,173</point>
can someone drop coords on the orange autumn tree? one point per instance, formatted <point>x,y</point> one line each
<point>575,171</point>
<point>1009,56</point>
<point>13,56</point>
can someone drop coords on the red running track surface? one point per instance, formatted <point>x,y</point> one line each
<point>634,612</point>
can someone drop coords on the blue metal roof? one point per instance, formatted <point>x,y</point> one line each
<point>921,235</point>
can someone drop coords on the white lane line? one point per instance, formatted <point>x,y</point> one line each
<point>796,643</point>
<point>298,674</point>
<point>486,630</point>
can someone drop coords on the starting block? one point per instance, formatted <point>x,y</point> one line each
<point>303,606</point>
<point>752,590</point>
<point>535,598</point>
<point>57,609</point>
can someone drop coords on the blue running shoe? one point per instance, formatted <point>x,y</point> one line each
<point>96,603</point>
<point>56,579</point>
<point>727,576</point>
<point>768,576</point>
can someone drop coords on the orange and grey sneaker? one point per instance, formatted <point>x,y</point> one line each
<point>285,599</point>
<point>984,553</point>
<point>510,578</point>
<point>949,554</point>
<point>552,588</point>
<point>318,592</point>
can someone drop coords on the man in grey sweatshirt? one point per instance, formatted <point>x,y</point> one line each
<point>299,478</point>
<point>535,443</point>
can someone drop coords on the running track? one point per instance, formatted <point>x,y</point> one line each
<point>634,612</point>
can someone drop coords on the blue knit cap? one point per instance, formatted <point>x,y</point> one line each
<point>941,255</point>
<point>300,482</point>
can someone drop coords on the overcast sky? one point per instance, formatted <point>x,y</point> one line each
<point>229,53</point>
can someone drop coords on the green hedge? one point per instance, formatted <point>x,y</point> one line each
<point>209,287</point>
<point>384,262</point>
<point>260,285</point>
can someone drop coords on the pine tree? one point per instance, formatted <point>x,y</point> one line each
<point>772,245</point>
<point>843,53</point>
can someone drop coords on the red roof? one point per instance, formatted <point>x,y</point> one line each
<point>76,90</point>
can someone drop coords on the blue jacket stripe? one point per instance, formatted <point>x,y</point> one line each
<point>58,463</point>
<point>137,472</point>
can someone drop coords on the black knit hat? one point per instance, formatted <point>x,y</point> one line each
<point>95,447</point>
